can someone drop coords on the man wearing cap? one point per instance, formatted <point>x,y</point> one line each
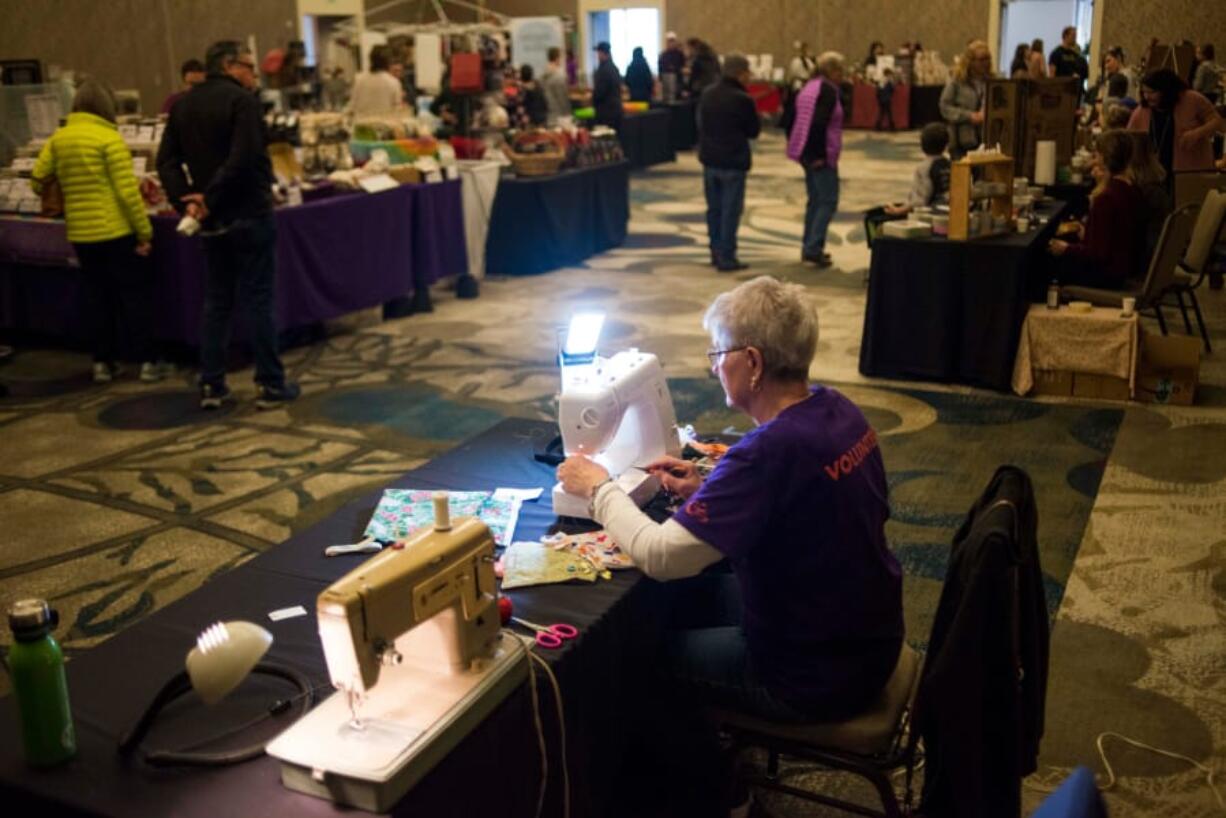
<point>727,120</point>
<point>607,89</point>
<point>671,64</point>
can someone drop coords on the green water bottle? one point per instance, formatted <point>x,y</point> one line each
<point>36,664</point>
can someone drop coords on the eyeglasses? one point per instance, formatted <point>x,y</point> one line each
<point>713,355</point>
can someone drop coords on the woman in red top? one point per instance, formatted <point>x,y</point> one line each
<point>1111,248</point>
<point>1180,122</point>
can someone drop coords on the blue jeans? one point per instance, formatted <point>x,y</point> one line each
<point>241,268</point>
<point>725,191</point>
<point>822,185</point>
<point>706,655</point>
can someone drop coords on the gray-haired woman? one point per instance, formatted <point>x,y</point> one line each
<point>808,625</point>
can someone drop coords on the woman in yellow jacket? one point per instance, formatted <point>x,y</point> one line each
<point>107,225</point>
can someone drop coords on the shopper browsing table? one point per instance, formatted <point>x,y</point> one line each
<point>727,120</point>
<point>107,225</point>
<point>607,89</point>
<point>217,132</point>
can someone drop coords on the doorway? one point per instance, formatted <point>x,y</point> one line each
<point>624,30</point>
<point>1023,21</point>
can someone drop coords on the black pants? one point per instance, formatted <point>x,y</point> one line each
<point>885,110</point>
<point>242,269</point>
<point>118,289</point>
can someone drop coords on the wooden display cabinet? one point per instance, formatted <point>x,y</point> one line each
<point>991,168</point>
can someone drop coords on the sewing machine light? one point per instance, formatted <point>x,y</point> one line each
<point>224,654</point>
<point>581,338</point>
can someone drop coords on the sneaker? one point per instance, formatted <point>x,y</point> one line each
<point>103,372</point>
<point>212,396</point>
<point>271,397</point>
<point>731,266</point>
<point>822,261</point>
<point>151,372</point>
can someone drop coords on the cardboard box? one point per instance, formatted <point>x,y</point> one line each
<point>1100,387</point>
<point>1056,382</point>
<point>1168,369</point>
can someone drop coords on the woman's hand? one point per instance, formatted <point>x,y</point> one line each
<point>143,248</point>
<point>1057,247</point>
<point>679,477</point>
<point>195,206</point>
<point>1188,140</point>
<point>977,118</point>
<point>579,475</point>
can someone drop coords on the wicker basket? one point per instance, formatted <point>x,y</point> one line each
<point>535,164</point>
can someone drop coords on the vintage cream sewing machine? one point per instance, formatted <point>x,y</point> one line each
<point>413,644</point>
<point>618,411</point>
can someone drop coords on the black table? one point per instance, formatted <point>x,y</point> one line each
<point>646,138</point>
<point>925,104</point>
<point>495,770</point>
<point>683,127</point>
<point>951,311</point>
<point>542,223</point>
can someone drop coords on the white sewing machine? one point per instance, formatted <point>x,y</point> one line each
<point>413,644</point>
<point>618,411</point>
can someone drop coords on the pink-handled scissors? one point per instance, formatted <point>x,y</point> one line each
<point>549,636</point>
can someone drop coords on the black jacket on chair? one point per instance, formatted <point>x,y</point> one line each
<point>984,682</point>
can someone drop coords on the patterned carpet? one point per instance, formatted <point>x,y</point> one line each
<point>118,499</point>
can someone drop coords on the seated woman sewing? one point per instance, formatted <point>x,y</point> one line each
<point>1109,248</point>
<point>809,625</point>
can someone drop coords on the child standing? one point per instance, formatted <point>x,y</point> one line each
<point>885,98</point>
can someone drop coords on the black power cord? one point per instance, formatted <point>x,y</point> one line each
<point>179,685</point>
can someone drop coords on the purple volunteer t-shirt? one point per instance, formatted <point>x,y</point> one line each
<point>799,507</point>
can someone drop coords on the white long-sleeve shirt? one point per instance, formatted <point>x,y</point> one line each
<point>661,550</point>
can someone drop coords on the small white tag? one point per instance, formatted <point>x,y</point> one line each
<point>378,182</point>
<point>523,495</point>
<point>287,613</point>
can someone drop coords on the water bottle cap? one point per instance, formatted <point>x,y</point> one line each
<point>31,616</point>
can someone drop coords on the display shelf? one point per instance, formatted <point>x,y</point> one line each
<point>992,168</point>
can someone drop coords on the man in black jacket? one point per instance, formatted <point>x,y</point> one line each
<point>727,120</point>
<point>217,134</point>
<point>607,89</point>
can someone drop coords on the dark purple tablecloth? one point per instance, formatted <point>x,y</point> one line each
<point>335,255</point>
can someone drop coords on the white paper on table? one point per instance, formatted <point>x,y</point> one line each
<point>523,495</point>
<point>378,182</point>
<point>23,164</point>
<point>287,613</point>
<point>129,132</point>
<point>145,134</point>
<point>138,165</point>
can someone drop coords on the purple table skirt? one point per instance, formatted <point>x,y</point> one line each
<point>334,256</point>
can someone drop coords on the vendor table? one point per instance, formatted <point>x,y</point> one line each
<point>494,771</point>
<point>766,97</point>
<point>646,138</point>
<point>1098,342</point>
<point>948,310</point>
<point>683,126</point>
<point>925,105</point>
<point>864,106</point>
<point>335,255</point>
<point>542,223</point>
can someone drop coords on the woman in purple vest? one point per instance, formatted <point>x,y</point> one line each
<point>815,140</point>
